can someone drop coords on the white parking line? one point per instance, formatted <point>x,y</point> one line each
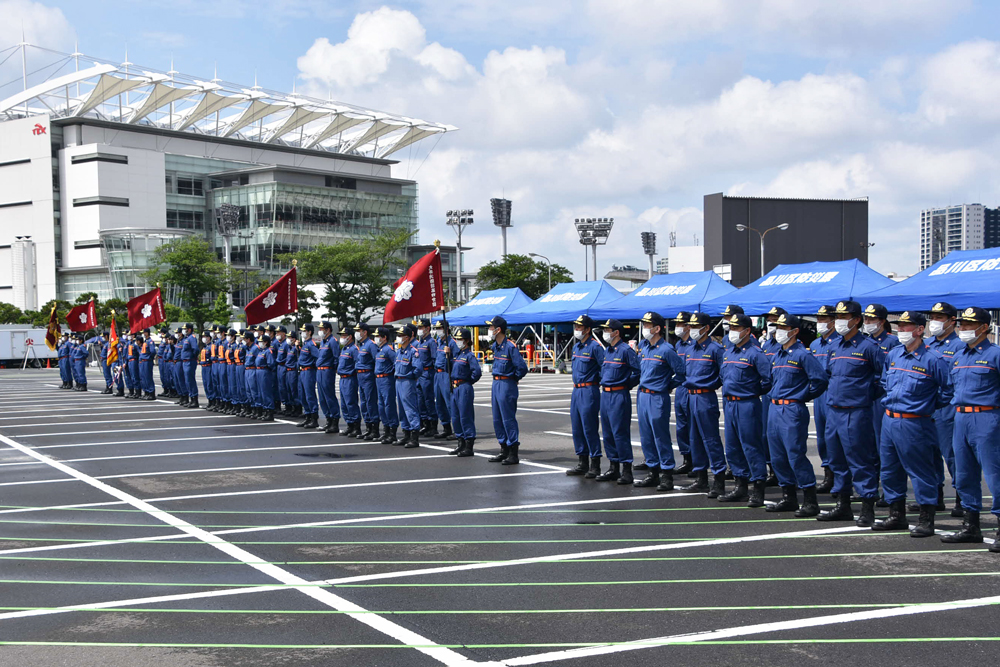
<point>117,421</point>
<point>200,437</point>
<point>149,430</point>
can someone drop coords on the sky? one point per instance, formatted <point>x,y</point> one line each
<point>611,108</point>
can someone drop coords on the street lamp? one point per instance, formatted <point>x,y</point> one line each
<point>649,248</point>
<point>459,219</point>
<point>501,218</point>
<point>535,254</point>
<point>742,228</point>
<point>593,232</point>
<point>228,222</point>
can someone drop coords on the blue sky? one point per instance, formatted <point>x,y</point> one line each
<point>627,109</point>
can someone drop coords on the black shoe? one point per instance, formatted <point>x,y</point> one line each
<point>640,466</point>
<point>685,467</point>
<point>789,501</point>
<point>268,416</point>
<point>424,425</point>
<point>358,435</point>
<point>369,430</point>
<point>595,468</point>
<point>401,442</point>
<point>512,458</point>
<point>757,494</point>
<point>652,478</point>
<point>866,519</point>
<point>414,440</point>
<point>881,500</point>
<point>120,394</point>
<point>349,433</point>
<point>728,475</point>
<point>995,547</point>
<point>626,477</point>
<point>387,436</point>
<point>699,485</point>
<point>925,524</point>
<point>446,433</point>
<point>392,436</point>
<point>107,391</point>
<point>613,473</point>
<point>958,511</point>
<point>504,451</point>
<point>970,533</point>
<point>897,517</point>
<point>329,425</point>
<point>301,424</point>
<point>467,450</point>
<point>842,511</point>
<point>432,429</point>
<point>718,485</point>
<point>738,494</point>
<point>810,503</point>
<point>460,447</point>
<point>581,468</point>
<point>376,431</point>
<point>313,421</point>
<point>193,402</point>
<point>772,479</point>
<point>827,484</point>
<point>666,481</point>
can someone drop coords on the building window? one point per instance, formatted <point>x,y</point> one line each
<point>185,219</point>
<point>99,157</point>
<point>190,186</point>
<point>100,201</point>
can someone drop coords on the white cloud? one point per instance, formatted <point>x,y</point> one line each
<point>963,81</point>
<point>42,25</point>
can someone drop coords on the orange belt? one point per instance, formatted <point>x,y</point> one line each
<point>904,415</point>
<point>364,370</point>
<point>503,377</point>
<point>322,368</point>
<point>738,398</point>
<point>618,388</point>
<point>384,375</point>
<point>581,385</point>
<point>442,370</point>
<point>784,401</point>
<point>455,383</point>
<point>648,391</point>
<point>700,391</point>
<point>975,408</point>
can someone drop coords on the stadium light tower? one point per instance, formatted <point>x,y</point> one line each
<point>593,232</point>
<point>459,219</point>
<point>649,248</point>
<point>228,221</point>
<point>501,218</point>
<point>742,228</point>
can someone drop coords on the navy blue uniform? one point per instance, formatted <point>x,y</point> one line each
<point>682,402</point>
<point>327,358</point>
<point>189,359</point>
<point>237,384</point>
<point>746,375</point>
<point>79,361</point>
<point>266,365</point>
<point>427,351</point>
<point>147,356</point>
<point>349,383</point>
<point>769,347</point>
<point>308,354</point>
<point>364,364</point>
<point>660,370</point>
<point>465,372</point>
<point>584,405</point>
<point>619,374</point>
<point>291,376</point>
<point>447,349</point>
<point>944,419</point>
<point>797,377</point>
<point>63,351</point>
<point>508,369</point>
<point>820,349</point>
<point>385,384</point>
<point>408,369</point>
<point>975,374</point>
<point>704,364</point>
<point>885,341</point>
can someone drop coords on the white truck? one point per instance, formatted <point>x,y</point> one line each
<point>16,341</point>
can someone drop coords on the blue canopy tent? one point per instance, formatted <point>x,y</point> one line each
<point>487,304</point>
<point>802,288</point>
<point>565,302</point>
<point>667,295</point>
<point>964,278</point>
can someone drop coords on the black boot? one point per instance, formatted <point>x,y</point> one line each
<point>358,435</point>
<point>401,442</point>
<point>467,450</point>
<point>581,468</point>
<point>827,484</point>
<point>193,402</point>
<point>387,436</point>
<point>757,494</point>
<point>789,501</point>
<point>970,533</point>
<point>666,481</point>
<point>460,447</point>
<point>446,432</point>
<point>699,485</point>
<point>329,425</point>
<point>182,401</point>
<point>424,425</point>
<point>512,457</point>
<point>738,494</point>
<point>313,421</point>
<point>504,451</point>
<point>995,547</point>
<point>772,479</point>
<point>685,467</point>
<point>626,477</point>
<point>301,424</point>
<point>391,437</point>
<point>958,511</point>
<point>652,478</point>
<point>640,466</point>
<point>376,431</point>
<point>718,485</point>
<point>925,524</point>
<point>107,391</point>
<point>414,440</point>
<point>120,394</point>
<point>867,516</point>
<point>897,517</point>
<point>268,416</point>
<point>368,431</point>
<point>810,503</point>
<point>842,511</point>
<point>595,468</point>
<point>432,429</point>
<point>613,473</point>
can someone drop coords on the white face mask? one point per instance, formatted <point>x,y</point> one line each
<point>421,332</point>
<point>782,336</point>
<point>281,338</point>
<point>578,334</point>
<point>206,340</point>
<point>967,336</point>
<point>905,337</point>
<point>870,329</point>
<point>232,339</point>
<point>822,327</point>
<point>696,335</point>
<point>935,328</point>
<point>378,341</point>
<point>438,333</point>
<point>491,334</point>
<point>463,344</point>
<point>647,333</point>
<point>608,337</point>
<point>357,336</point>
<point>680,331</point>
<point>842,327</point>
<point>771,328</point>
<point>735,336</point>
<point>725,327</point>
<point>345,340</point>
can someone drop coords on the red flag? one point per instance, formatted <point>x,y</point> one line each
<point>113,342</point>
<point>53,330</point>
<point>419,291</point>
<point>145,310</point>
<point>279,299</point>
<point>83,317</point>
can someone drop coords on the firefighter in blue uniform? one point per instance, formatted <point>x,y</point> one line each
<point>216,355</point>
<point>426,348</point>
<point>348,374</point>
<point>770,347</point>
<point>917,382</point>
<point>877,328</point>
<point>133,365</point>
<point>797,377</point>
<point>704,364</point>
<point>189,359</point>
<point>308,354</point>
<point>177,369</point>
<point>820,348</point>
<point>746,376</point>
<point>205,364</point>
<point>250,375</point>
<point>266,371</point>
<point>291,377</point>
<point>102,359</point>
<point>408,369</point>
<point>508,369</point>
<point>365,367</point>
<point>465,372</point>
<point>327,359</point>
<point>280,347</point>
<point>941,321</point>
<point>221,369</point>
<point>237,369</point>
<point>855,367</point>
<point>62,351</point>
<point>79,363</point>
<point>619,374</point>
<point>147,358</point>
<point>447,348</point>
<point>585,401</point>
<point>975,375</point>
<point>660,371</point>
<point>385,384</point>
<point>161,353</point>
<point>682,346</point>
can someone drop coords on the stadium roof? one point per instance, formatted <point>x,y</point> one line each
<point>131,95</point>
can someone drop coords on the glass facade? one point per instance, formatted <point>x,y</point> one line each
<point>128,253</point>
<point>72,285</point>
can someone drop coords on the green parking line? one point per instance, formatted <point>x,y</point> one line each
<point>422,526</point>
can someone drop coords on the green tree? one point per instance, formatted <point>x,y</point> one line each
<point>9,313</point>
<point>354,272</point>
<point>121,313</point>
<point>521,271</point>
<point>191,265</point>
<point>175,313</point>
<point>221,311</point>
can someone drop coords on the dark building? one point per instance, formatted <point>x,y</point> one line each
<point>819,230</point>
<point>991,228</point>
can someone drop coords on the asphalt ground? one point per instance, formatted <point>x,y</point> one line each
<point>141,533</point>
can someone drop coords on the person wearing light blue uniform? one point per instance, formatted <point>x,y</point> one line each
<point>364,365</point>
<point>326,377</point>
<point>704,364</point>
<point>266,370</point>
<point>465,372</point>
<point>408,369</point>
<point>291,376</point>
<point>426,348</point>
<point>348,374</point>
<point>189,361</point>
<point>63,350</point>
<point>975,375</point>
<point>941,322</point>
<point>619,375</point>
<point>682,346</point>
<point>508,369</point>
<point>770,347</point>
<point>585,401</point>
<point>78,359</point>
<point>308,355</point>
<point>660,371</point>
<point>820,348</point>
<point>447,348</point>
<point>250,375</point>
<point>385,384</point>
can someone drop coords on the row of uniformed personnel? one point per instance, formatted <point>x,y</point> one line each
<point>886,408</point>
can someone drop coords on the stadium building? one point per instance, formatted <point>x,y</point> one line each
<point>102,163</point>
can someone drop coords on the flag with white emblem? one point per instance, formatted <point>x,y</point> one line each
<point>419,292</point>
<point>146,310</point>
<point>83,317</point>
<point>279,299</point>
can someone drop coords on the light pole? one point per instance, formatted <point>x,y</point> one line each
<point>549,262</point>
<point>501,218</point>
<point>459,219</point>
<point>228,221</point>
<point>649,248</point>
<point>593,232</point>
<point>742,228</point>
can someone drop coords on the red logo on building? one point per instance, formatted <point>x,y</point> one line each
<point>38,129</point>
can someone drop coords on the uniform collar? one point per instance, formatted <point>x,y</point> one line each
<point>918,352</point>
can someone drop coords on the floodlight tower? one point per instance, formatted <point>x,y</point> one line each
<point>649,248</point>
<point>228,221</point>
<point>501,218</point>
<point>594,232</point>
<point>459,219</point>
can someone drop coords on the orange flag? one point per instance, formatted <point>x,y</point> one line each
<point>113,342</point>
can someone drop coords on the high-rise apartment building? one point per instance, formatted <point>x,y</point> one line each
<point>942,230</point>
